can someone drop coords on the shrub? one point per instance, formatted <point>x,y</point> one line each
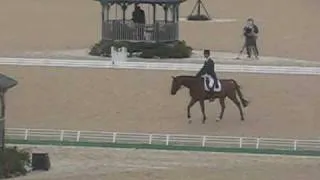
<point>101,48</point>
<point>181,50</point>
<point>200,17</point>
<point>13,162</point>
<point>177,49</point>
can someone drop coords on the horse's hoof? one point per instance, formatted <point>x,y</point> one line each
<point>218,119</point>
<point>242,119</point>
<point>189,116</point>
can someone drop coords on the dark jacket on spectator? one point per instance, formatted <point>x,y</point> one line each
<point>138,16</point>
<point>249,32</point>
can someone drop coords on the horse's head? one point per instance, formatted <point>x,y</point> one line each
<point>175,85</point>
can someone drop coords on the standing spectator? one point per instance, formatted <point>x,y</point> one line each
<point>135,14</point>
<point>142,18</point>
<point>250,32</point>
<point>138,17</point>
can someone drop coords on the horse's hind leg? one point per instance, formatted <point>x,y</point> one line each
<point>223,107</point>
<point>191,103</point>
<point>203,111</point>
<point>234,99</point>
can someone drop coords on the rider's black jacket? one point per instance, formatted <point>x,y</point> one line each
<point>207,68</point>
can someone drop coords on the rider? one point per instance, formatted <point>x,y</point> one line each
<point>208,68</point>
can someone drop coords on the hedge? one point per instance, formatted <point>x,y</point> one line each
<point>177,49</point>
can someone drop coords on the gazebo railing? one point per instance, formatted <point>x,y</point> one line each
<point>161,31</point>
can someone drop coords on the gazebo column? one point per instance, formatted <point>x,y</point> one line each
<point>177,13</point>
<point>154,13</point>
<point>177,21</point>
<point>175,18</point>
<point>104,17</point>
<point>173,12</point>
<point>124,9</point>
<point>155,23</point>
<point>103,7</point>
<point>165,8</point>
<point>107,12</point>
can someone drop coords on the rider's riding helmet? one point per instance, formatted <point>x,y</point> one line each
<point>206,51</point>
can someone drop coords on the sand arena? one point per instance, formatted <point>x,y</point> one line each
<point>139,101</point>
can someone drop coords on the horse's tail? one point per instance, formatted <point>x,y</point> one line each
<point>244,102</point>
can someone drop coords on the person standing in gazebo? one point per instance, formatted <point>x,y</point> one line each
<point>138,17</point>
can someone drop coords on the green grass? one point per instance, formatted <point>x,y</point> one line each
<point>164,147</point>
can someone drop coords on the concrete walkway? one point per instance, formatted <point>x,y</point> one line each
<point>220,58</point>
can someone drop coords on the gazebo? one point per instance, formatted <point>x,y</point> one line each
<point>125,28</point>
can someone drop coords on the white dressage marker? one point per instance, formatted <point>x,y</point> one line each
<point>118,55</point>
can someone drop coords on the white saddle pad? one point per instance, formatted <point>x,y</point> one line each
<point>211,83</point>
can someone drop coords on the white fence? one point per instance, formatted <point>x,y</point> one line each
<point>158,66</point>
<point>162,139</point>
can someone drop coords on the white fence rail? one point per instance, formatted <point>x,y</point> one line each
<point>158,66</point>
<point>162,139</point>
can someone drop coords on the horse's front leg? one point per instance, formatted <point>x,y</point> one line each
<point>201,101</point>
<point>191,103</point>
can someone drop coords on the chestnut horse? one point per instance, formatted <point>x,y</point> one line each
<point>229,88</point>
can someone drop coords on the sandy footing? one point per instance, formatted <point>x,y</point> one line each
<point>117,164</point>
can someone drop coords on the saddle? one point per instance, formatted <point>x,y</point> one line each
<point>209,84</point>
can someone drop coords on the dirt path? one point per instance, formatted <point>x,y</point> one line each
<point>118,164</point>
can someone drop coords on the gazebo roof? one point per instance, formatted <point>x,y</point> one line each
<point>143,1</point>
<point>6,82</point>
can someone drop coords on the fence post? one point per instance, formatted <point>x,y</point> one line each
<point>295,145</point>
<point>240,142</point>
<point>204,139</point>
<point>114,137</point>
<point>150,138</point>
<point>61,135</point>
<point>258,143</point>
<point>26,134</point>
<point>167,139</point>
<point>78,136</point>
